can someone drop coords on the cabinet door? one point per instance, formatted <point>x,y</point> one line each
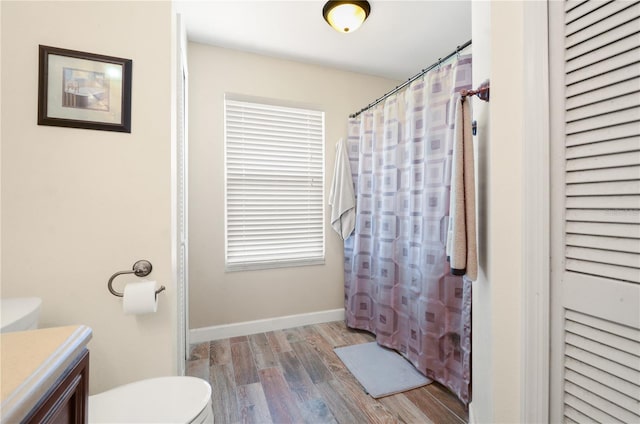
<point>66,402</point>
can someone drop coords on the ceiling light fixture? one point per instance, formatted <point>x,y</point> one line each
<point>346,16</point>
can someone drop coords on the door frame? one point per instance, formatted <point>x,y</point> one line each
<point>557,165</point>
<point>536,213</point>
<point>182,309</point>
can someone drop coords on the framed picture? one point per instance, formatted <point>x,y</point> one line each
<point>84,90</point>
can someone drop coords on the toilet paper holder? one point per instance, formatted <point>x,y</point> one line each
<point>141,268</point>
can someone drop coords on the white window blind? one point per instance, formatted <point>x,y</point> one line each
<point>274,158</point>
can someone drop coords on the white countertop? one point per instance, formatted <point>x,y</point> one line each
<point>31,362</point>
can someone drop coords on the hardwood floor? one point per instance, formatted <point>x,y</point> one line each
<point>293,376</point>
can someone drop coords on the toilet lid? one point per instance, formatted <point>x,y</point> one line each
<point>156,400</point>
<point>16,310</point>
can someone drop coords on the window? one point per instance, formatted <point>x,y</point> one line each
<point>274,185</point>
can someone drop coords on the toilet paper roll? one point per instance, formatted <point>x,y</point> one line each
<point>140,298</point>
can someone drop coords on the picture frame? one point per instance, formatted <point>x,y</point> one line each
<point>84,90</point>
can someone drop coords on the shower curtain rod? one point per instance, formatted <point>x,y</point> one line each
<point>413,78</point>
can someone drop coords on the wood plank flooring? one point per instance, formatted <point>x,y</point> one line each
<point>294,376</point>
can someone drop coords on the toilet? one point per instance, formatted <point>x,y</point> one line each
<point>180,400</point>
<point>156,400</point>
<point>19,313</point>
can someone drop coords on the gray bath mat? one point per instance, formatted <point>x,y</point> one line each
<point>381,371</point>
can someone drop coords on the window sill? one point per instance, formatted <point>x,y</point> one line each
<point>254,266</point>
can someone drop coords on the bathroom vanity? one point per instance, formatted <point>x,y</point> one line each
<point>45,375</point>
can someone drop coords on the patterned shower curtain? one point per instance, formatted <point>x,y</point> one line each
<point>398,283</point>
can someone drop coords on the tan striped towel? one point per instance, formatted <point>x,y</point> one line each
<point>461,243</point>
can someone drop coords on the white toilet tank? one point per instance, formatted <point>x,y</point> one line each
<point>19,313</point>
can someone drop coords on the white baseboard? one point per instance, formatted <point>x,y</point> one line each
<point>225,331</point>
<point>472,414</point>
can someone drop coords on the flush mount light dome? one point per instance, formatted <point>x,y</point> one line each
<point>346,16</point>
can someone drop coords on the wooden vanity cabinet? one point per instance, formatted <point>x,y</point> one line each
<point>66,401</point>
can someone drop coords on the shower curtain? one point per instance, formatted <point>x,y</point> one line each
<point>398,283</point>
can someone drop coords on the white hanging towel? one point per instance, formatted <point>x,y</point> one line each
<point>461,241</point>
<point>342,197</point>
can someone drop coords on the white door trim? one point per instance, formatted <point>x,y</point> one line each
<point>181,200</point>
<point>557,168</point>
<point>536,208</point>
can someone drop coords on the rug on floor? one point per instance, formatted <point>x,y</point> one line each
<point>381,371</point>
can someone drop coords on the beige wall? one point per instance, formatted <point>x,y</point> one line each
<point>0,152</point>
<point>218,297</point>
<point>79,205</point>
<point>482,365</point>
<point>497,302</point>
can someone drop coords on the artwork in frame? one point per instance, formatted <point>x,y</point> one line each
<point>84,90</point>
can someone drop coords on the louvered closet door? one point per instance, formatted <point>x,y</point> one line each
<point>595,284</point>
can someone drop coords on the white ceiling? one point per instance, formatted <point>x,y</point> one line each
<point>397,40</point>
